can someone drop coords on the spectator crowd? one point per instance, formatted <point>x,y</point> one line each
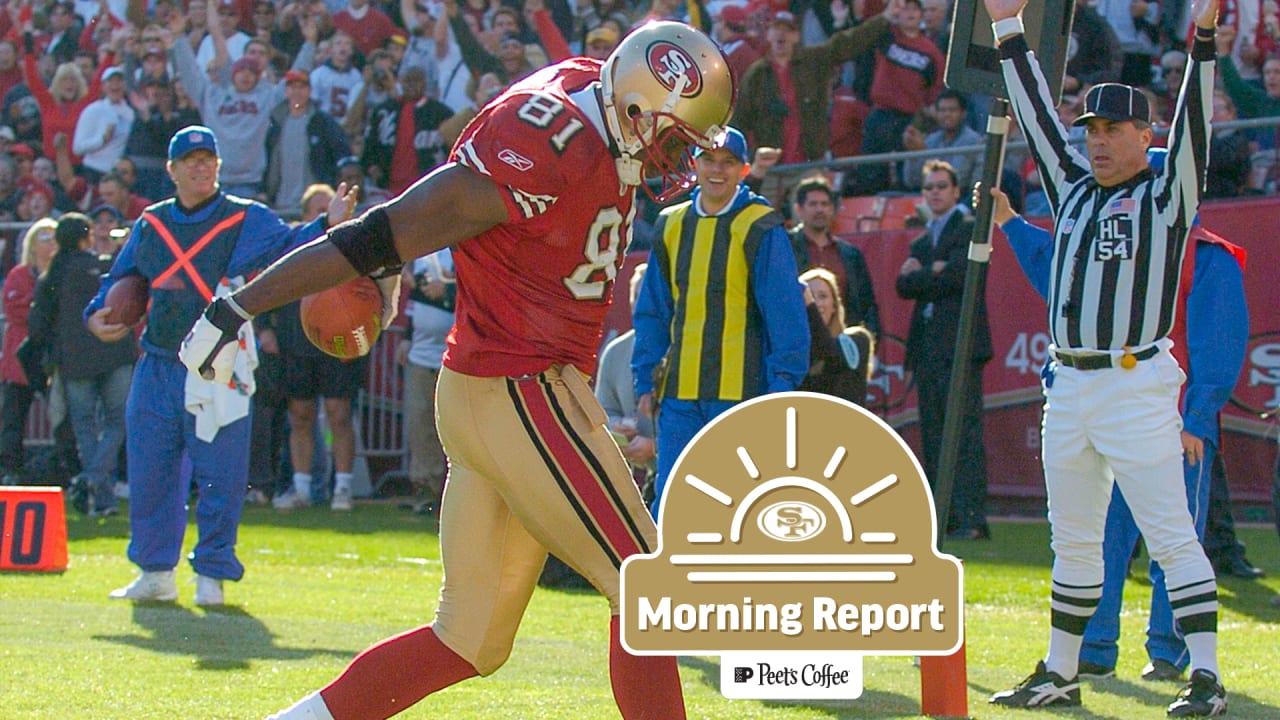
<point>90,92</point>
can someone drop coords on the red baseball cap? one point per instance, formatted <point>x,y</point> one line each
<point>735,16</point>
<point>41,188</point>
<point>246,63</point>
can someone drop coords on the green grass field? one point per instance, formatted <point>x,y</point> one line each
<point>320,587</point>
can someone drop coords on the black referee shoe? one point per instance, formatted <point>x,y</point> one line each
<point>1204,696</point>
<point>1159,670</point>
<point>1041,689</point>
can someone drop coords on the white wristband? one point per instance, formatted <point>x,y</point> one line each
<point>1006,27</point>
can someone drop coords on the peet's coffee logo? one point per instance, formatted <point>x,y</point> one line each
<point>797,534</point>
<point>809,675</point>
<point>791,675</point>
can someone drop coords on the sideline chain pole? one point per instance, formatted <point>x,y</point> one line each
<point>975,282</point>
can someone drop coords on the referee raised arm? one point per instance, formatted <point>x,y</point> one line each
<point>1111,388</point>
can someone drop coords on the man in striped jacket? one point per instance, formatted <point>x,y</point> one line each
<point>1111,407</point>
<point>720,316</point>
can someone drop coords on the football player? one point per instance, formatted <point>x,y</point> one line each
<point>537,201</point>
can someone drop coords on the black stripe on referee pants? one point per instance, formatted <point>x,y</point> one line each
<point>1188,601</point>
<point>1205,622</point>
<point>1068,623</point>
<point>1074,600</point>
<point>565,487</point>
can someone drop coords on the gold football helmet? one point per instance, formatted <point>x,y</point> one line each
<point>666,88</point>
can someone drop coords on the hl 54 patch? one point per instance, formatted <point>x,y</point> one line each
<point>1114,240</point>
<point>1115,232</point>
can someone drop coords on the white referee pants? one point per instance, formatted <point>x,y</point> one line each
<point>1118,425</point>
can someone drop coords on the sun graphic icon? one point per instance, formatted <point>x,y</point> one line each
<point>795,521</point>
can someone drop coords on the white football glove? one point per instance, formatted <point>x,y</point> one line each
<point>210,348</point>
<point>389,284</point>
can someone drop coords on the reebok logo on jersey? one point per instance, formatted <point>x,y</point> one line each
<point>515,160</point>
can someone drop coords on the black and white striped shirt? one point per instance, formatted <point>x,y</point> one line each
<point>1117,250</point>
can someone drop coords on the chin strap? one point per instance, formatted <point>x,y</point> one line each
<point>629,170</point>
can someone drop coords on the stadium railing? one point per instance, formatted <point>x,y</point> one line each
<point>379,411</point>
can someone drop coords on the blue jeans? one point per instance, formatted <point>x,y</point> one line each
<point>99,435</point>
<point>1164,640</point>
<point>678,422</point>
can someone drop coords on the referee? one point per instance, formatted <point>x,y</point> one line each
<point>1111,389</point>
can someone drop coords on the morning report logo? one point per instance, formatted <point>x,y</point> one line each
<point>797,535</point>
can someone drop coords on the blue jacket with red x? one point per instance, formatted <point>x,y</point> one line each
<point>185,253</point>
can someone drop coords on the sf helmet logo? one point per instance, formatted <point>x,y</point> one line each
<point>791,521</point>
<point>671,64</point>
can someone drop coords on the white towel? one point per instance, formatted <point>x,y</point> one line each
<point>216,405</point>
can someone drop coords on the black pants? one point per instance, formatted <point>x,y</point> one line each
<point>270,418</point>
<point>1220,542</point>
<point>969,494</point>
<point>882,133</point>
<point>17,405</point>
<point>1275,492</point>
<point>62,463</point>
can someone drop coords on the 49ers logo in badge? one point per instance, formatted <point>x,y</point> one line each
<point>670,63</point>
<point>791,521</point>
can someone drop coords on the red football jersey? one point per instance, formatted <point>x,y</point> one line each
<point>533,291</point>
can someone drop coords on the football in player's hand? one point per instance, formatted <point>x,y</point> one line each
<point>127,300</point>
<point>344,321</point>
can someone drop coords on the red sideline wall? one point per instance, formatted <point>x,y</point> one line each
<point>1018,334</point>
